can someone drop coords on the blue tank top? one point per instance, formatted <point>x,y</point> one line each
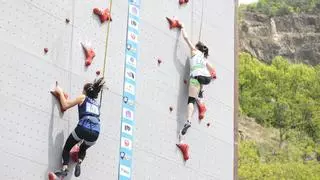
<point>89,113</point>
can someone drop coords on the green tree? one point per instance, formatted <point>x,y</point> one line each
<point>283,7</point>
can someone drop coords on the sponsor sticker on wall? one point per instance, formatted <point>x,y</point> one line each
<point>131,61</point>
<point>127,114</point>
<point>129,88</point>
<point>125,171</point>
<point>129,91</point>
<point>126,143</point>
<point>133,23</point>
<point>127,128</point>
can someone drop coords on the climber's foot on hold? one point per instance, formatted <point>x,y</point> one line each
<point>184,148</point>
<point>202,110</point>
<point>59,174</point>
<point>185,128</point>
<point>77,170</point>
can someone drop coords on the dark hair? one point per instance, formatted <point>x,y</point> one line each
<point>203,48</point>
<point>92,89</point>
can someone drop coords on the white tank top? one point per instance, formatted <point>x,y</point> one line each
<point>198,65</point>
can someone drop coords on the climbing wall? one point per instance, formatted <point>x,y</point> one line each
<point>160,87</point>
<point>33,130</point>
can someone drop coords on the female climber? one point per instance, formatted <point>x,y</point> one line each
<point>88,127</point>
<point>201,73</point>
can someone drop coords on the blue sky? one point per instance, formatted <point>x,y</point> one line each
<point>246,1</point>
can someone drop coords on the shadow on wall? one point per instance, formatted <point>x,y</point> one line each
<point>183,69</point>
<point>54,146</point>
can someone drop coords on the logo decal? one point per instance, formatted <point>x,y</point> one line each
<point>129,88</point>
<point>130,74</point>
<point>131,61</point>
<point>127,114</point>
<point>124,156</point>
<point>126,143</point>
<point>127,128</point>
<point>125,171</point>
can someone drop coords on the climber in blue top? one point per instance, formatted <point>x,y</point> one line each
<point>88,127</point>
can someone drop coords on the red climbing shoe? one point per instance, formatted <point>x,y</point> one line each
<point>202,110</point>
<point>173,23</point>
<point>90,54</point>
<point>184,148</point>
<point>104,15</point>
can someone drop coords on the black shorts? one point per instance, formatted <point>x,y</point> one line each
<point>89,136</point>
<point>203,79</point>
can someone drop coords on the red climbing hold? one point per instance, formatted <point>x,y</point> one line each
<point>104,15</point>
<point>52,176</point>
<point>159,61</point>
<point>74,153</point>
<point>185,81</point>
<point>202,110</point>
<point>98,73</point>
<point>90,54</point>
<point>184,148</point>
<point>56,95</point>
<point>174,23</point>
<point>45,50</point>
<point>213,74</point>
<point>183,1</point>
<point>171,109</point>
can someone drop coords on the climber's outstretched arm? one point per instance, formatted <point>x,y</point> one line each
<point>211,70</point>
<point>185,37</point>
<point>65,103</point>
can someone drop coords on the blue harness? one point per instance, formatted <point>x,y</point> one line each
<point>90,122</point>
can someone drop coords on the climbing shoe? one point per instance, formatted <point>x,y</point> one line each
<point>202,110</point>
<point>77,170</point>
<point>184,148</point>
<point>185,128</point>
<point>61,173</point>
<point>200,95</point>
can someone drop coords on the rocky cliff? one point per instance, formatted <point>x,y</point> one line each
<point>295,36</point>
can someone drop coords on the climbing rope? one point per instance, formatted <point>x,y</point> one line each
<point>201,20</point>
<point>106,49</point>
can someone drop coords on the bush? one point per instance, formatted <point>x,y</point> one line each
<point>279,171</point>
<point>287,97</point>
<point>250,167</point>
<point>281,95</point>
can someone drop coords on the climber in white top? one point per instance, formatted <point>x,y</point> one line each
<point>201,73</point>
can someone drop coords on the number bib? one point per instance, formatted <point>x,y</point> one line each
<point>91,108</point>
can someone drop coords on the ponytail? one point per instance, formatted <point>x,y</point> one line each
<point>203,48</point>
<point>93,89</point>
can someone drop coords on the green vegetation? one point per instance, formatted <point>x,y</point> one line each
<point>282,7</point>
<point>282,95</point>
<point>250,166</point>
<point>286,97</point>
